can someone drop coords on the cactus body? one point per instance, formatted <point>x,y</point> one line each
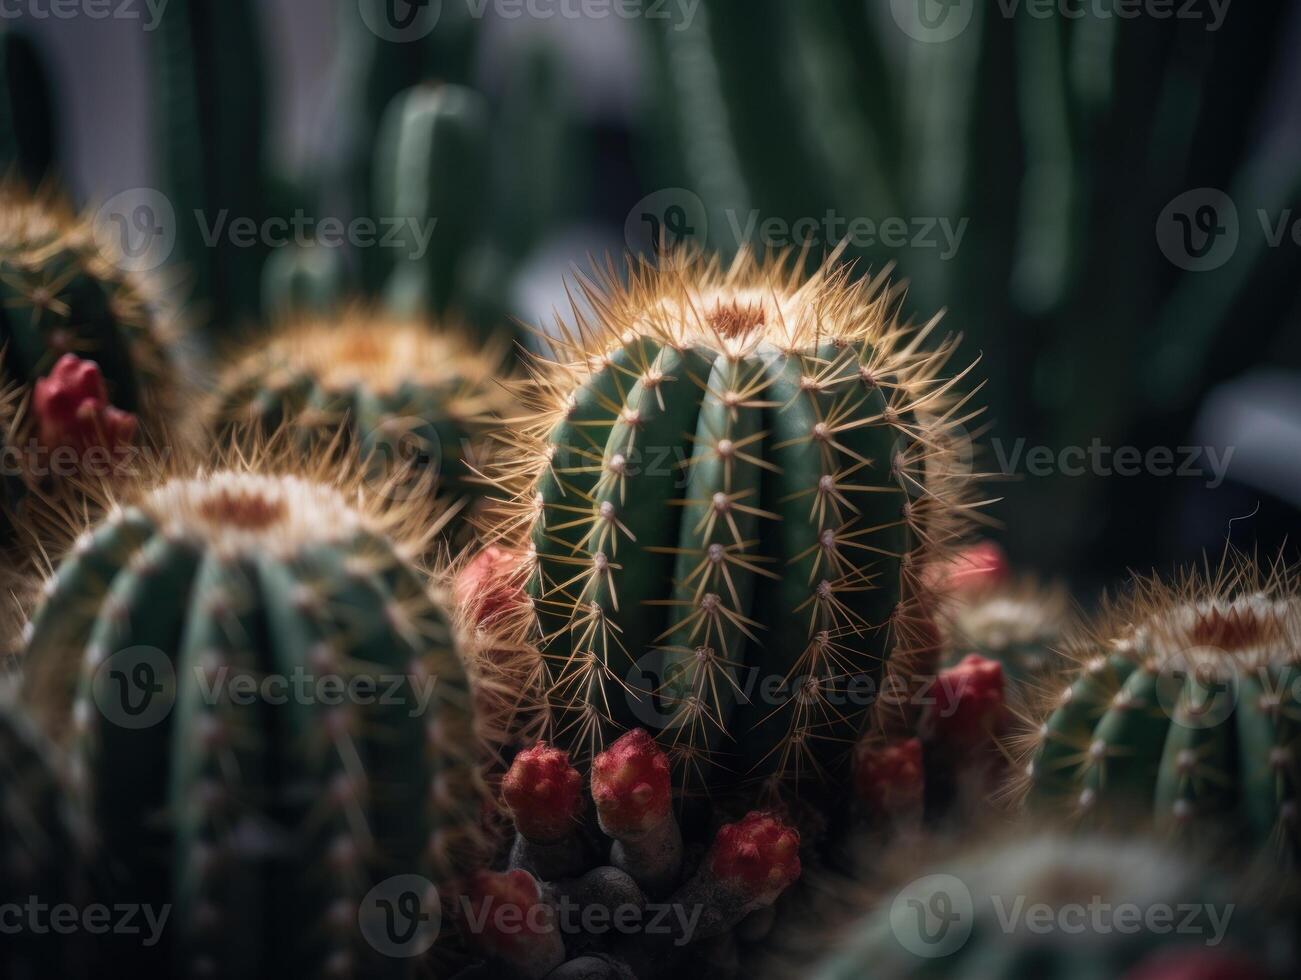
<point>718,494</point>
<point>1184,713</point>
<point>42,848</point>
<point>408,402</point>
<point>1054,907</point>
<point>238,803</point>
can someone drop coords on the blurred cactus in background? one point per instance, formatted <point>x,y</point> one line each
<point>1059,142</point>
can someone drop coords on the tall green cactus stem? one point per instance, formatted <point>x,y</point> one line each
<point>720,491</point>
<point>409,401</point>
<point>373,71</point>
<point>953,916</point>
<point>212,131</point>
<point>28,124</point>
<point>42,847</point>
<point>1185,713</point>
<point>269,716</point>
<point>431,173</point>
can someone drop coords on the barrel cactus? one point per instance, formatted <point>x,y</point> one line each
<point>1051,906</point>
<point>409,401</point>
<point>720,491</point>
<point>269,716</point>
<point>42,848</point>
<point>1184,712</point>
<point>87,361</point>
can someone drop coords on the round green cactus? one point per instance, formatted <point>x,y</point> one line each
<point>63,292</point>
<point>42,848</point>
<point>410,403</point>
<point>1186,711</point>
<point>269,717</point>
<point>1058,907</point>
<point>724,513</point>
<point>74,323</point>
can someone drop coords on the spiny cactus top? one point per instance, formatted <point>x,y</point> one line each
<point>62,291</point>
<point>409,401</point>
<point>1049,906</point>
<point>269,716</point>
<point>1186,708</point>
<point>722,493</point>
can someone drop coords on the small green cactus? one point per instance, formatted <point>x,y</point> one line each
<point>1184,712</point>
<point>720,486</point>
<point>1051,906</point>
<point>410,402</point>
<point>1021,624</point>
<point>167,652</point>
<point>42,847</point>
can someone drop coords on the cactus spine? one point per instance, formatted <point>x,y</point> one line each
<point>1185,711</point>
<point>242,809</point>
<point>721,484</point>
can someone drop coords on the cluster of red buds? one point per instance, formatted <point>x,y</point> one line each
<point>72,409</point>
<point>641,862</point>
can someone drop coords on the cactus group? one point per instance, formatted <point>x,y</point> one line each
<point>719,484</point>
<point>1055,907</point>
<point>410,403</point>
<point>268,714</point>
<point>1184,713</point>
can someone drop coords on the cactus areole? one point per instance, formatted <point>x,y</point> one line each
<point>727,484</point>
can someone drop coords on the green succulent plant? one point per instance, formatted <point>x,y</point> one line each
<point>722,484</point>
